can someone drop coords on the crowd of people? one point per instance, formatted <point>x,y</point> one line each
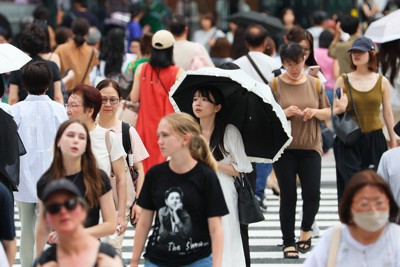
<point>81,170</point>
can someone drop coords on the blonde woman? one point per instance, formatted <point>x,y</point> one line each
<point>186,196</point>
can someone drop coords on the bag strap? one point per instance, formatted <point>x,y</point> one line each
<point>108,143</point>
<point>126,138</point>
<point>334,247</point>
<point>88,65</point>
<point>257,69</point>
<point>352,100</point>
<point>318,89</point>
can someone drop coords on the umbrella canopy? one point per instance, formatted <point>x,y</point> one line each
<point>249,105</point>
<point>385,29</point>
<point>272,24</point>
<point>11,58</point>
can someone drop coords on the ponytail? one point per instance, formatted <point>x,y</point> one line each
<point>200,151</point>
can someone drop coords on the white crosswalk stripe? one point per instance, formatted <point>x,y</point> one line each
<point>264,236</point>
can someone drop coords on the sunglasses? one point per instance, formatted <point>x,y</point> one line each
<point>54,208</point>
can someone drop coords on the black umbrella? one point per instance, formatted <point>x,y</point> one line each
<point>272,24</point>
<point>11,148</point>
<point>249,105</point>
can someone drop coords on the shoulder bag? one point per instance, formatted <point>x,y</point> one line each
<point>257,69</point>
<point>334,247</point>
<point>131,193</point>
<point>346,129</point>
<point>249,209</point>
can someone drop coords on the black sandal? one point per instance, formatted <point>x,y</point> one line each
<point>288,254</point>
<point>306,246</point>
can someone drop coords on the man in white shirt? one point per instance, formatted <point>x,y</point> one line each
<point>256,41</point>
<point>84,104</point>
<point>259,66</point>
<point>37,118</point>
<point>320,21</point>
<point>187,55</point>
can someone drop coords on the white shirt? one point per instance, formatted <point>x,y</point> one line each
<point>185,51</point>
<point>3,256</point>
<point>6,107</point>
<point>389,170</point>
<point>99,148</point>
<point>384,252</point>
<point>203,37</point>
<point>265,64</point>
<point>37,119</point>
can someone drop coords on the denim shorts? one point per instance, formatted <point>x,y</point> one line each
<point>204,262</point>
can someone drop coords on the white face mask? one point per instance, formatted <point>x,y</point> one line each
<point>371,221</point>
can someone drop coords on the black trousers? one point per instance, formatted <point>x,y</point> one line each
<point>244,228</point>
<point>307,165</point>
<point>366,154</point>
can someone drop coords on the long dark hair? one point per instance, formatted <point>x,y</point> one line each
<point>161,58</point>
<point>90,173</point>
<point>113,51</point>
<point>217,136</point>
<point>389,58</point>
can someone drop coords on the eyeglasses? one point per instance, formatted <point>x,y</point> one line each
<point>379,204</point>
<point>54,208</point>
<point>113,101</point>
<point>72,106</point>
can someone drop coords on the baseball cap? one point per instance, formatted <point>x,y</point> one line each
<point>363,44</point>
<point>60,185</point>
<point>162,39</point>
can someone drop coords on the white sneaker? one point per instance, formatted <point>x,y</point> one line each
<point>315,229</point>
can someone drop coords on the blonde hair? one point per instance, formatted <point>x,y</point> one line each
<point>184,124</point>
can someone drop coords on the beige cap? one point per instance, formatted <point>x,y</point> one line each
<point>162,39</point>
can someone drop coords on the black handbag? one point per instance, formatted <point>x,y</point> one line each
<point>346,129</point>
<point>249,209</point>
<point>327,137</point>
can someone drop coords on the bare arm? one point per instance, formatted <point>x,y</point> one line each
<point>137,210</point>
<point>228,169</point>
<point>217,240</point>
<point>321,114</point>
<point>387,111</point>
<point>135,92</point>
<point>142,230</point>
<point>140,180</point>
<point>42,231</point>
<point>10,247</point>
<point>119,169</point>
<point>336,69</point>
<point>108,214</point>
<point>13,94</point>
<point>58,96</point>
<point>340,105</point>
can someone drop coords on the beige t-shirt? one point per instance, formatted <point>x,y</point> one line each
<point>76,58</point>
<point>306,134</point>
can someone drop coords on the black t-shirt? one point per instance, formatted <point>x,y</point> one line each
<point>182,236</point>
<point>50,254</point>
<point>7,227</point>
<point>16,78</point>
<point>94,212</point>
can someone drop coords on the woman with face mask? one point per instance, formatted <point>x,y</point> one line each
<point>369,235</point>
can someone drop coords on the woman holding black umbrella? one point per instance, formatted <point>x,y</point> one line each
<point>227,146</point>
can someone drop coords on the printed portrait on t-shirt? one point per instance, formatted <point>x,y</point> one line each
<point>175,222</point>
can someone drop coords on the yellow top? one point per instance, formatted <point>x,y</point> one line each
<point>367,104</point>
